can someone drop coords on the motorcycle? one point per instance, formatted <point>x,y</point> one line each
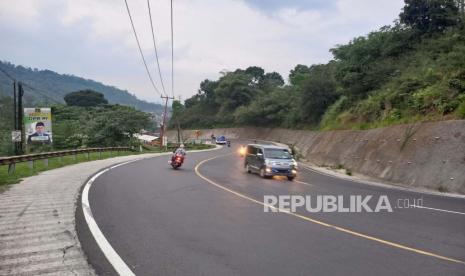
<point>177,161</point>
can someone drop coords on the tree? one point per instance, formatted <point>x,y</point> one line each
<point>177,109</point>
<point>318,93</point>
<point>114,125</point>
<point>271,80</point>
<point>256,73</point>
<point>366,63</point>
<point>103,126</point>
<point>271,109</point>
<point>234,89</point>
<point>207,90</point>
<point>430,15</point>
<point>298,74</point>
<point>85,98</point>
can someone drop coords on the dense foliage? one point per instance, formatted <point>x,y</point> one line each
<point>80,127</point>
<point>85,98</point>
<point>413,70</point>
<point>109,125</point>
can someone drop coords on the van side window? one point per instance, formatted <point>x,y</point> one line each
<point>251,150</point>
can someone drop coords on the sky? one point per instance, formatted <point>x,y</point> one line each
<point>93,38</point>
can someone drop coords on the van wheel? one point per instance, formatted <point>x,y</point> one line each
<point>247,168</point>
<point>290,178</point>
<point>262,173</point>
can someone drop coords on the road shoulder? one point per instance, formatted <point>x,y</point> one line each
<point>37,221</point>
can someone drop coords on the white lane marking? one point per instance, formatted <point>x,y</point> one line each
<point>304,183</point>
<point>389,187</point>
<point>115,260</point>
<point>382,185</point>
<point>436,209</point>
<point>118,264</point>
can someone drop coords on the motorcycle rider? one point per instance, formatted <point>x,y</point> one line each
<point>179,151</point>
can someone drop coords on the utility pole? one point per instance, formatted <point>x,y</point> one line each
<point>15,116</point>
<point>15,125</point>
<point>18,110</point>
<point>162,130</point>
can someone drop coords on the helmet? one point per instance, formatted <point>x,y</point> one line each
<point>181,146</point>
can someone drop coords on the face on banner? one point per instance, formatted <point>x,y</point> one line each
<point>38,125</point>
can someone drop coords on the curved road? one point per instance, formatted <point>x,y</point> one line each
<point>166,222</point>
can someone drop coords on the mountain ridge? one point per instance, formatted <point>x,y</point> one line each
<point>50,87</point>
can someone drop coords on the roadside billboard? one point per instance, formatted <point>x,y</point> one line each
<point>38,125</point>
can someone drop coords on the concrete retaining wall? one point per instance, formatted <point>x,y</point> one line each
<point>430,155</point>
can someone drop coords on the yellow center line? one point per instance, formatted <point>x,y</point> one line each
<point>337,228</point>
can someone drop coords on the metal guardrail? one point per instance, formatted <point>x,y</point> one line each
<point>11,161</point>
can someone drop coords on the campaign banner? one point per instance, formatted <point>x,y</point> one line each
<point>38,125</point>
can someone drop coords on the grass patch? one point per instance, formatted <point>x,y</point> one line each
<point>23,170</point>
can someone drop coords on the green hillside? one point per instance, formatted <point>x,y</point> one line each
<point>51,88</point>
<point>411,71</point>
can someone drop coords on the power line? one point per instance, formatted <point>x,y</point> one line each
<point>140,49</point>
<point>7,74</point>
<point>41,92</point>
<point>155,47</point>
<point>172,51</point>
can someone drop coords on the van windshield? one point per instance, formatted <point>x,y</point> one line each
<point>277,154</point>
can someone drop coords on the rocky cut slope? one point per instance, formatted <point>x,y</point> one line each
<point>427,155</point>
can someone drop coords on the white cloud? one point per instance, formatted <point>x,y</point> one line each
<point>210,35</point>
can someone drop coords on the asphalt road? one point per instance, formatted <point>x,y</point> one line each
<point>166,222</point>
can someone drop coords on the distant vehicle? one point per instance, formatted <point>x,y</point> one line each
<point>221,140</point>
<point>268,160</point>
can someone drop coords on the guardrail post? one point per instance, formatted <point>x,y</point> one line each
<point>87,155</point>
<point>74,156</point>
<point>111,154</point>
<point>99,154</point>
<point>31,164</point>
<point>11,168</point>
<point>46,162</point>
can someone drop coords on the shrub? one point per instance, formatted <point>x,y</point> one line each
<point>461,110</point>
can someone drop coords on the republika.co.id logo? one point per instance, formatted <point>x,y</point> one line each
<point>332,203</point>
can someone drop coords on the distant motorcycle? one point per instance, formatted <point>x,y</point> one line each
<point>177,161</point>
<point>228,143</point>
